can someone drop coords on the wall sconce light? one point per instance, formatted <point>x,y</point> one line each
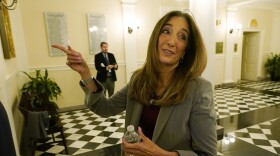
<point>133,26</point>
<point>129,29</point>
<point>11,6</point>
<point>235,28</point>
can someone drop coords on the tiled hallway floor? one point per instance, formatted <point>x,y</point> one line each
<point>258,135</point>
<point>246,111</point>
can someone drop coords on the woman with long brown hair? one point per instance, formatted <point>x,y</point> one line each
<point>167,100</point>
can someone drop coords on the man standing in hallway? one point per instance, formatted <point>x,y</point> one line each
<point>105,64</point>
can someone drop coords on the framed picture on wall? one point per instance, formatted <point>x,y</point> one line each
<point>57,33</point>
<point>97,31</point>
<point>219,47</point>
<point>6,34</point>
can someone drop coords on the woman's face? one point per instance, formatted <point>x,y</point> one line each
<point>173,41</point>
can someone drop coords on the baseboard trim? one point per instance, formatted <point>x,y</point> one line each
<point>263,79</point>
<point>72,108</point>
<point>230,84</point>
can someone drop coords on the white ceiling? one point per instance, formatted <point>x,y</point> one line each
<point>265,4</point>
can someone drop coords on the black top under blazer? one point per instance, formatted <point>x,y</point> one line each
<point>100,65</point>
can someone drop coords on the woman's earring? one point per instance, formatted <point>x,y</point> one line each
<point>181,61</point>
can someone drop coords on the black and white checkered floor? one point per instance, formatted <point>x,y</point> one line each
<point>273,86</point>
<point>86,131</point>
<point>259,135</point>
<point>231,101</point>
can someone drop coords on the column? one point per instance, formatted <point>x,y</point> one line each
<point>230,37</point>
<point>275,46</point>
<point>130,38</point>
<point>206,22</point>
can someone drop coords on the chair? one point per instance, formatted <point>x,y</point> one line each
<point>42,125</point>
<point>57,127</point>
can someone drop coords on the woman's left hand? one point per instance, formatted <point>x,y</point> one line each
<point>144,148</point>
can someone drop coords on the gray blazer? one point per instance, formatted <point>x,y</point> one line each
<point>186,127</point>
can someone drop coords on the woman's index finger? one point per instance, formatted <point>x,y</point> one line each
<point>60,48</point>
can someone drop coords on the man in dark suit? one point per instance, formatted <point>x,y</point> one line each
<point>105,64</point>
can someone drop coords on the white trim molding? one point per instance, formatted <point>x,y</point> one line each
<point>65,67</point>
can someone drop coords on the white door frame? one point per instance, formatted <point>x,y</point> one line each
<point>260,49</point>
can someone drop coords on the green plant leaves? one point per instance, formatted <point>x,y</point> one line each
<point>272,66</point>
<point>42,90</point>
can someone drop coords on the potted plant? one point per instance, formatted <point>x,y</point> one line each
<point>272,66</point>
<point>40,92</point>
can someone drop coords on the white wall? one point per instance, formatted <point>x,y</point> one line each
<point>275,46</point>
<point>148,13</point>
<point>242,16</point>
<point>9,82</point>
<point>220,37</point>
<point>33,21</point>
<point>264,18</point>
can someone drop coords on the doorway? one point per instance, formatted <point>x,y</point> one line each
<point>250,62</point>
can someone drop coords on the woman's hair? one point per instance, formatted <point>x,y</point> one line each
<point>144,81</point>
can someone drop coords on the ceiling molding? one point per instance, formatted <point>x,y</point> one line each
<point>260,4</point>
